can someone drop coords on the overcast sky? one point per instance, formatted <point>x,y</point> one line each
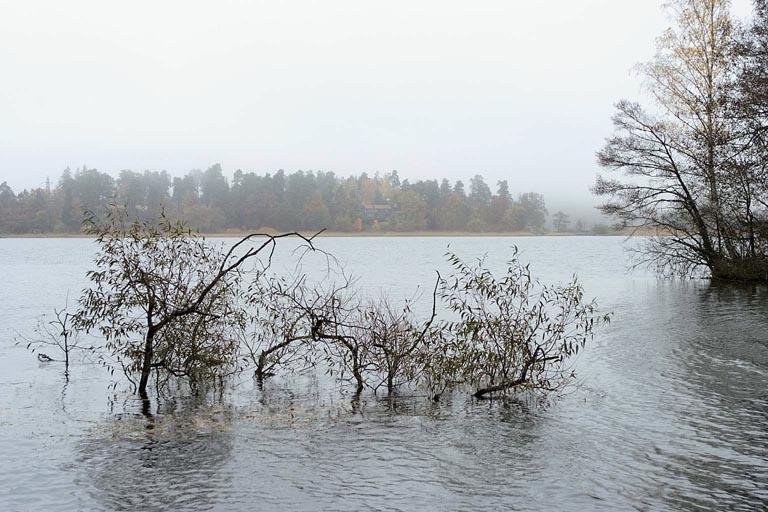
<point>516,90</point>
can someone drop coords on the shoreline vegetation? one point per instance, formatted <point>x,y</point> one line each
<point>210,202</point>
<point>694,163</point>
<point>362,234</point>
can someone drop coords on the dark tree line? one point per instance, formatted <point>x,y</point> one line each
<point>693,169</point>
<point>208,202</point>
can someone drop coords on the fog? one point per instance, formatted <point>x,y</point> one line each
<point>512,90</point>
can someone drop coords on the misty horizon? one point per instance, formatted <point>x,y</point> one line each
<point>516,92</point>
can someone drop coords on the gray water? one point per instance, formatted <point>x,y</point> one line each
<point>669,410</point>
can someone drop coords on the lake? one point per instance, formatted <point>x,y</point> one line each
<point>669,410</point>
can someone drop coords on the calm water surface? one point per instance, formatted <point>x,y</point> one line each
<point>669,411</point>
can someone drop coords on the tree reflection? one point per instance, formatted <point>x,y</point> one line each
<point>173,460</point>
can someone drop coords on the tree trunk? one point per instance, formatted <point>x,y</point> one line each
<point>260,366</point>
<point>66,354</point>
<point>480,393</point>
<point>359,380</point>
<point>146,364</point>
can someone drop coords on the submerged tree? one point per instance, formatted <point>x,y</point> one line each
<point>58,334</point>
<point>394,337</point>
<point>372,342</point>
<point>686,174</point>
<point>502,334</point>
<point>509,333</point>
<point>166,300</point>
<point>286,318</point>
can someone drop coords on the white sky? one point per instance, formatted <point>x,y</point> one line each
<point>517,90</point>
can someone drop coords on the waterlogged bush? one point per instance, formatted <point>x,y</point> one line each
<point>376,341</point>
<point>167,301</point>
<point>284,322</point>
<point>510,332</point>
<point>174,305</point>
<point>500,334</point>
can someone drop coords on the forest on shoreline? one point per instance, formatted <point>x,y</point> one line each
<point>210,203</point>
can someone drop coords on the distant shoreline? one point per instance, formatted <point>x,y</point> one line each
<point>345,234</point>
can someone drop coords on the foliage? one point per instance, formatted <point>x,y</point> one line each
<point>165,300</point>
<point>509,331</point>
<point>146,276</point>
<point>501,334</point>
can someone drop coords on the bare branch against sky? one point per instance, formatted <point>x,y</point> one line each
<point>513,90</point>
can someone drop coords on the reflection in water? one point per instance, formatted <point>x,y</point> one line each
<point>403,452</point>
<point>169,461</point>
